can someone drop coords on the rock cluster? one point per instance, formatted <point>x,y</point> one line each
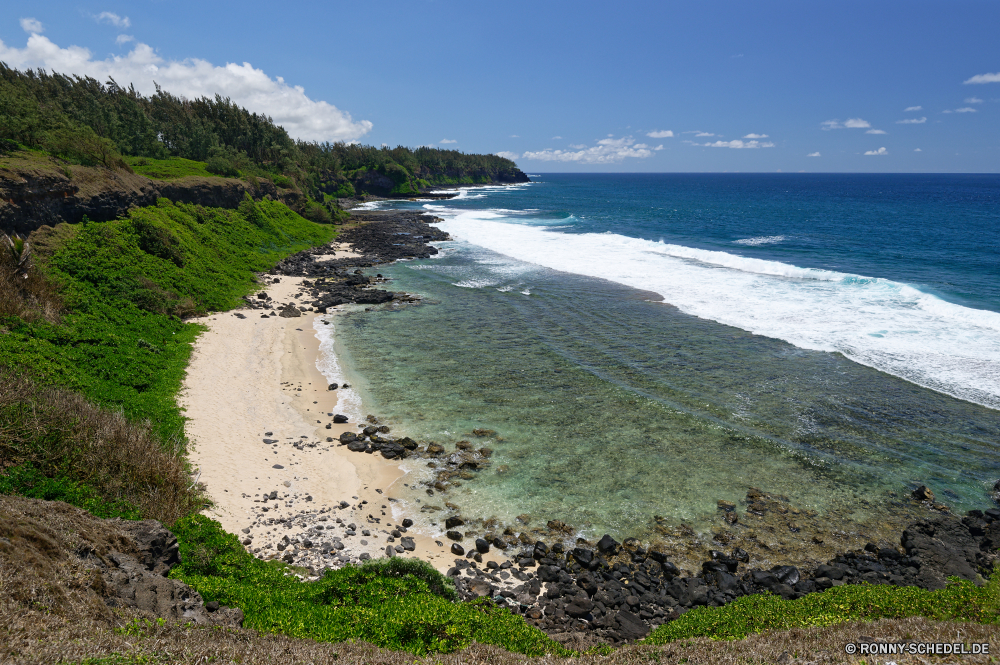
<point>618,593</point>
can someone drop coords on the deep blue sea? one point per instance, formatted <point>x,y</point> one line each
<point>647,344</point>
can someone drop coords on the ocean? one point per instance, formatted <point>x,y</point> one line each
<point>645,345</point>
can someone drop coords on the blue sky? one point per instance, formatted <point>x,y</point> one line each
<point>570,86</point>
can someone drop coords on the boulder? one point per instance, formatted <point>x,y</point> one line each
<point>608,545</point>
<point>340,419</point>
<point>630,626</point>
<point>944,548</point>
<point>583,556</point>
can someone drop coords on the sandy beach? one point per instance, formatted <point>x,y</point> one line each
<point>255,379</point>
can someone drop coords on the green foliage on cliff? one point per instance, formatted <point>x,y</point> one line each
<point>121,341</point>
<point>89,122</point>
<point>394,603</point>
<point>171,168</point>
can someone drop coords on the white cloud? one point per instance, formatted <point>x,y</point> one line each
<point>288,105</point>
<point>124,39</point>
<point>556,138</point>
<point>912,121</point>
<point>984,78</point>
<point>659,147</point>
<point>509,155</point>
<point>911,109</point>
<point>917,150</point>
<point>813,154</point>
<point>32,25</point>
<point>577,146</point>
<point>738,144</point>
<point>606,151</point>
<point>448,141</point>
<point>851,123</point>
<point>880,151</point>
<point>113,19</point>
<point>875,131</point>
<point>660,134</point>
<point>973,100</point>
<point>965,109</point>
<point>755,136</point>
<point>704,134</point>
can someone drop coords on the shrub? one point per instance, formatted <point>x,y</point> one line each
<point>24,291</point>
<point>315,212</point>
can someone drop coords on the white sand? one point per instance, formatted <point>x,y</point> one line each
<point>243,382</point>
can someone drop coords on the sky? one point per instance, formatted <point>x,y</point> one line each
<point>709,86</point>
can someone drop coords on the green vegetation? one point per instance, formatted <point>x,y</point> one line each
<point>394,603</point>
<point>93,348</point>
<point>171,168</point>
<point>26,480</point>
<point>84,121</point>
<point>959,601</point>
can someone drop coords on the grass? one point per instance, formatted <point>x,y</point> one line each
<point>393,603</point>
<point>959,601</point>
<point>119,349</point>
<point>27,481</point>
<point>171,168</point>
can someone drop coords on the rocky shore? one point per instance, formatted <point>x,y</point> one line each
<point>580,592</point>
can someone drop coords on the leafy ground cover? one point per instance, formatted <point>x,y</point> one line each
<point>959,601</point>
<point>392,603</point>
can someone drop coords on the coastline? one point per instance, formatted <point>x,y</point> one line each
<point>331,508</point>
<point>254,378</point>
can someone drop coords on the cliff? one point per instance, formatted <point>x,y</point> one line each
<point>36,190</point>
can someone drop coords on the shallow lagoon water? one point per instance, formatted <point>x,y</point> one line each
<point>614,407</point>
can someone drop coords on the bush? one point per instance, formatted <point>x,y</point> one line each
<point>24,291</point>
<point>315,212</point>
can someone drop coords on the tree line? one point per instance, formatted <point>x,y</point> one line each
<point>88,122</point>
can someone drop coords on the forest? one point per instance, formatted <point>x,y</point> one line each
<point>84,121</point>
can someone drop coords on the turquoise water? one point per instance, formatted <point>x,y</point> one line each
<point>650,378</point>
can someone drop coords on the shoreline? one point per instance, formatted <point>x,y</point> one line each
<point>283,480</point>
<point>253,379</point>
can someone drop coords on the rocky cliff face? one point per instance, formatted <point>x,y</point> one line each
<point>61,559</point>
<point>33,195</point>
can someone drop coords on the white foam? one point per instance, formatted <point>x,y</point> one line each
<point>348,400</point>
<point>884,324</point>
<point>760,240</point>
